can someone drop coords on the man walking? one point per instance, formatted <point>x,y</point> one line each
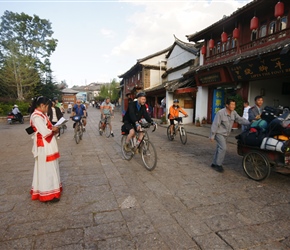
<point>107,109</point>
<point>220,130</point>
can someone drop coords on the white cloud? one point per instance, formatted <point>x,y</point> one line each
<point>152,28</point>
<point>107,33</point>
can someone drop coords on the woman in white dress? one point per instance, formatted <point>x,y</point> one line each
<point>46,185</point>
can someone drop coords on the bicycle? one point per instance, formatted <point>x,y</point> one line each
<point>105,126</point>
<point>145,148</point>
<point>78,128</point>
<point>62,127</point>
<point>178,128</point>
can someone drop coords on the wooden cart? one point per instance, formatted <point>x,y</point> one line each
<point>257,163</point>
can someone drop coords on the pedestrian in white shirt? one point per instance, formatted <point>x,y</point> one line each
<point>246,114</point>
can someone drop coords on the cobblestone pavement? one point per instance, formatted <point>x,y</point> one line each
<point>110,203</point>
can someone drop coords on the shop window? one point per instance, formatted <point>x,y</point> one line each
<point>218,47</point>
<point>223,47</point>
<point>228,43</point>
<point>188,104</point>
<point>234,43</point>
<point>263,31</point>
<point>254,35</point>
<point>283,23</point>
<point>272,27</point>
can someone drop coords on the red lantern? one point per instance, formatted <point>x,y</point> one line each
<point>254,23</point>
<point>211,44</point>
<point>203,50</point>
<point>224,37</point>
<point>236,33</point>
<point>279,9</point>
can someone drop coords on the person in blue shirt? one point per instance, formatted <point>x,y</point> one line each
<point>80,109</point>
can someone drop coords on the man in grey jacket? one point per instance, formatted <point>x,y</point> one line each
<point>220,130</point>
<point>256,111</point>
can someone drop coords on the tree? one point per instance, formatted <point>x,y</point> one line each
<point>110,90</point>
<point>26,44</point>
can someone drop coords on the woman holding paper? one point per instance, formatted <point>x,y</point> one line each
<point>46,185</point>
<point>54,113</point>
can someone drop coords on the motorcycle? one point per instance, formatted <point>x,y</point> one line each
<point>11,118</point>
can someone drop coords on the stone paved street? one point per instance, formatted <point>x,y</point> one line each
<point>110,203</point>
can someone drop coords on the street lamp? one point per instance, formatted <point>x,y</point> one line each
<point>160,70</point>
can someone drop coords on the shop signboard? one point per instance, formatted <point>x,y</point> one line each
<point>270,66</point>
<point>218,101</point>
<point>210,78</point>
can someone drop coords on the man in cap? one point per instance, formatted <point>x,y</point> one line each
<point>136,110</point>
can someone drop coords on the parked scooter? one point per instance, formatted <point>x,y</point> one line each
<point>11,118</point>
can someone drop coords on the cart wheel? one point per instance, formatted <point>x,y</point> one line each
<point>256,166</point>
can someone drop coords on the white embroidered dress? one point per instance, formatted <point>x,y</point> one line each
<point>46,183</point>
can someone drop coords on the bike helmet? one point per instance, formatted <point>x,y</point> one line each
<point>140,94</point>
<point>175,101</point>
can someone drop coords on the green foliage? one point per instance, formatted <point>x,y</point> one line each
<point>26,44</point>
<point>109,90</point>
<point>239,103</point>
<point>6,107</point>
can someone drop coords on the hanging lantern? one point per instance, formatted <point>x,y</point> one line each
<point>279,9</point>
<point>203,50</point>
<point>236,33</point>
<point>224,37</point>
<point>254,23</point>
<point>211,44</point>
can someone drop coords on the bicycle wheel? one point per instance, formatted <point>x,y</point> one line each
<point>170,138</point>
<point>256,166</point>
<point>81,132</point>
<point>62,129</point>
<point>77,136</point>
<point>127,155</point>
<point>100,128</point>
<point>107,130</point>
<point>183,135</point>
<point>148,155</point>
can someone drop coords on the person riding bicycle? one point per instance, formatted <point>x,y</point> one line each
<point>135,112</point>
<point>107,109</point>
<point>174,115</point>
<point>80,110</point>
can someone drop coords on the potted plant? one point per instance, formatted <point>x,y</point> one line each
<point>163,119</point>
<point>197,122</point>
<point>203,120</point>
<point>239,107</point>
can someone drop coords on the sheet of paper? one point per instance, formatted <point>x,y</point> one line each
<point>60,122</point>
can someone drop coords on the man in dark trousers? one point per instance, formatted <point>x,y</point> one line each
<point>256,111</point>
<point>136,110</point>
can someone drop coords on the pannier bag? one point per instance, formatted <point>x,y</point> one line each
<point>272,144</point>
<point>252,137</point>
<point>270,113</point>
<point>260,124</point>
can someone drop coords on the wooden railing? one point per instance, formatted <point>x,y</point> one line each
<point>258,43</point>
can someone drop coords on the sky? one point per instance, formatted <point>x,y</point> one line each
<point>100,40</point>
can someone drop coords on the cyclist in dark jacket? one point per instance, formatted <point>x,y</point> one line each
<point>135,112</point>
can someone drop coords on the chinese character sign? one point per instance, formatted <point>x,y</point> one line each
<point>218,101</point>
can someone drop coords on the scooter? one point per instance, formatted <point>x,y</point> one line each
<point>11,118</point>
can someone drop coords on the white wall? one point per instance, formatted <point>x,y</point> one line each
<point>155,77</point>
<point>273,92</point>
<point>201,102</point>
<point>178,56</point>
<point>177,74</point>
